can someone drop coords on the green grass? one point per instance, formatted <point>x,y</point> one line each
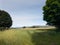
<point>29,37</point>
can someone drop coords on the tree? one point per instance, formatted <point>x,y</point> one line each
<point>52,12</point>
<point>5,20</point>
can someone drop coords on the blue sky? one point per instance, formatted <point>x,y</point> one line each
<point>24,12</point>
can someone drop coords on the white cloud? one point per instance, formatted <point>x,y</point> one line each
<point>21,2</point>
<point>14,4</point>
<point>25,16</point>
<point>27,20</point>
<point>24,12</point>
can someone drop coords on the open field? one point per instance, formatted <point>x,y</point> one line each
<point>29,36</point>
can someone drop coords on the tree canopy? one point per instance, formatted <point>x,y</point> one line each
<point>5,20</point>
<point>52,12</point>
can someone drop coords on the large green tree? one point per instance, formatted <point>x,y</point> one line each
<point>5,20</point>
<point>52,12</point>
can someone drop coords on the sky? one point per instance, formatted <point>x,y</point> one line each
<point>24,12</point>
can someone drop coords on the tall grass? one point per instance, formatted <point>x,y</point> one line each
<point>29,37</point>
<point>15,37</point>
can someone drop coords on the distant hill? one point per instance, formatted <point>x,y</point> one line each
<point>39,27</point>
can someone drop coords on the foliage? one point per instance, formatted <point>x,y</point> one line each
<point>52,12</point>
<point>24,27</point>
<point>34,26</point>
<point>5,20</point>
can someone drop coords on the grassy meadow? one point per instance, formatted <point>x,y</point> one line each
<point>29,36</point>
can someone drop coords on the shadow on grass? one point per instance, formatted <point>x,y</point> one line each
<point>46,38</point>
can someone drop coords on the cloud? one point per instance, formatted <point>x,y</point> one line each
<point>25,17</point>
<point>27,20</point>
<point>20,4</point>
<point>24,12</point>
